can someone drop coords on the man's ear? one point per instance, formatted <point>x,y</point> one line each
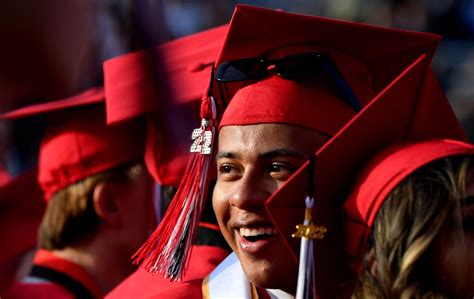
<point>105,204</point>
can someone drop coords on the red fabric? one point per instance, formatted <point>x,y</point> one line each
<point>368,66</point>
<point>48,259</point>
<point>168,142</point>
<point>142,284</point>
<point>368,56</point>
<point>162,247</point>
<point>185,65</point>
<point>37,290</point>
<point>130,89</point>
<point>433,105</point>
<point>77,143</point>
<point>32,287</point>
<point>381,175</point>
<point>389,118</point>
<point>21,211</point>
<point>88,97</point>
<point>277,100</point>
<point>130,86</point>
<point>4,175</point>
<point>81,145</point>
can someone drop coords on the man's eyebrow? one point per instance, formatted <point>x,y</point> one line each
<point>228,155</point>
<point>266,155</point>
<point>283,152</point>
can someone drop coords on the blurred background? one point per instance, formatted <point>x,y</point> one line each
<point>52,49</point>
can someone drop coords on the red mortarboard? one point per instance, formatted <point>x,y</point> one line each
<point>391,117</point>
<point>378,178</point>
<point>369,57</point>
<point>130,87</point>
<point>21,211</point>
<point>77,143</point>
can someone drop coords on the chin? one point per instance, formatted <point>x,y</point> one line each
<point>273,278</point>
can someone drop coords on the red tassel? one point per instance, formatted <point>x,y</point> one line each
<point>167,251</point>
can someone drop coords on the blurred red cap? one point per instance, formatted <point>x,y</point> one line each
<point>77,143</point>
<point>131,91</point>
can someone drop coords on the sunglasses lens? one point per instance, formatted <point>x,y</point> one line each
<point>239,70</point>
<point>296,65</point>
<point>289,66</point>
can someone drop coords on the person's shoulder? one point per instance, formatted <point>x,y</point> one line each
<point>142,284</point>
<point>38,290</point>
<point>189,289</point>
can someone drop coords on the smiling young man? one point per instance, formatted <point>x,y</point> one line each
<point>292,95</point>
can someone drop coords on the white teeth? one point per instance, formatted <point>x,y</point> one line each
<point>252,232</point>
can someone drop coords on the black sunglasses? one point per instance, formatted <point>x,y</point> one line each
<point>287,67</point>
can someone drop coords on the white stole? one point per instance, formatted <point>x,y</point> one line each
<point>228,281</point>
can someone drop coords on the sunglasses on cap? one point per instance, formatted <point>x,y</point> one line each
<point>287,67</point>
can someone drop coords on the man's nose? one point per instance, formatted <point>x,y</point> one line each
<point>250,191</point>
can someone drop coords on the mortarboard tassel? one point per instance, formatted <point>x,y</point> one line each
<point>306,285</point>
<point>167,250</point>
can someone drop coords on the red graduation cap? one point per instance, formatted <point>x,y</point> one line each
<point>394,115</point>
<point>378,178</point>
<point>130,86</point>
<point>77,143</point>
<point>369,57</point>
<point>21,211</point>
<point>386,52</point>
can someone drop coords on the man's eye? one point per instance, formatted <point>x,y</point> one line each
<point>227,172</point>
<point>276,168</point>
<point>280,171</point>
<point>279,167</point>
<point>225,169</point>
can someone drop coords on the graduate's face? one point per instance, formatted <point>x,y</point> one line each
<point>252,162</point>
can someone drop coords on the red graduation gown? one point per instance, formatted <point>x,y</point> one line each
<point>59,279</point>
<point>142,284</point>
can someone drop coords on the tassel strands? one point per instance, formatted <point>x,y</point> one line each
<point>306,284</point>
<point>168,249</point>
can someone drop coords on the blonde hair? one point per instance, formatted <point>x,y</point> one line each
<point>397,261</point>
<point>70,215</point>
